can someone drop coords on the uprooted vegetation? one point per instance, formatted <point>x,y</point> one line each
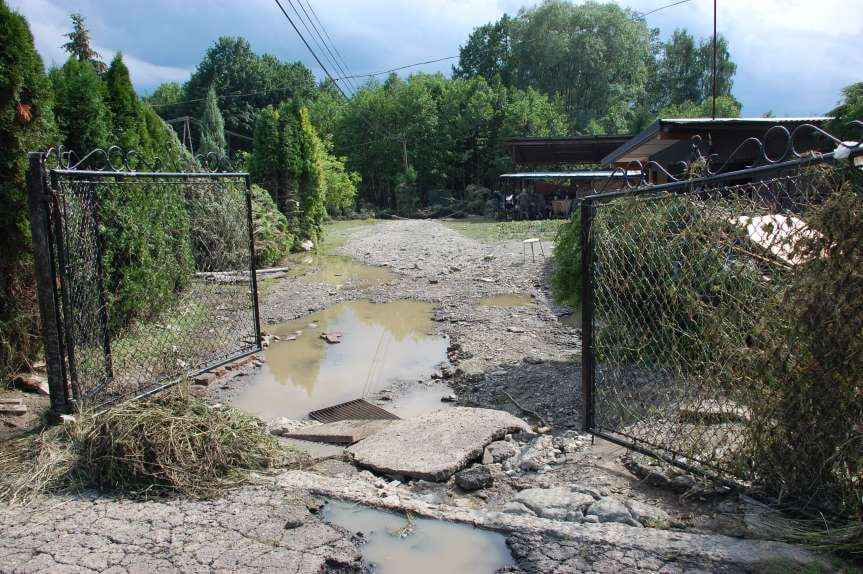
<point>169,444</point>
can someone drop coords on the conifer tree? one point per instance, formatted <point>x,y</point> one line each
<point>312,194</point>
<point>26,125</point>
<point>213,127</point>
<point>78,45</point>
<point>129,127</point>
<point>82,116</point>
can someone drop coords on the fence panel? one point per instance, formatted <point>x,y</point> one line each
<point>708,307</point>
<point>153,276</point>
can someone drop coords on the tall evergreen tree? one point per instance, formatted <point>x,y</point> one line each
<point>26,125</point>
<point>82,115</point>
<point>213,127</point>
<point>129,128</point>
<point>311,191</point>
<point>78,45</point>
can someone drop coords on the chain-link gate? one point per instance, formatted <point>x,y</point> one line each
<point>144,277</point>
<point>704,302</point>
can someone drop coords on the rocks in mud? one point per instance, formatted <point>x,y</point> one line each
<point>611,510</point>
<point>474,478</point>
<point>557,503</point>
<point>648,515</point>
<point>538,455</point>
<point>501,450</point>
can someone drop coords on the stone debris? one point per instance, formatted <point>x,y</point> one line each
<point>611,510</point>
<point>557,503</point>
<point>450,398</point>
<point>436,445</point>
<point>332,337</point>
<point>205,379</point>
<point>474,478</point>
<point>501,450</point>
<point>283,425</point>
<point>648,515</point>
<point>14,407</point>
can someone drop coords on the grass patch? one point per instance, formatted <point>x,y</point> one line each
<point>171,443</point>
<point>492,231</point>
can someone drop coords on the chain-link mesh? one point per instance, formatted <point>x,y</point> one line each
<point>155,277</point>
<point>727,328</point>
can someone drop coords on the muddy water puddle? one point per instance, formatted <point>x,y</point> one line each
<point>338,270</point>
<point>381,345</point>
<point>395,545</point>
<point>505,300</point>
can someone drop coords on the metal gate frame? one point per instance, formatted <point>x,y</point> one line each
<point>764,165</point>
<point>47,230</point>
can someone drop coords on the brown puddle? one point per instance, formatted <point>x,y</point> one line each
<point>395,545</point>
<point>381,344</point>
<point>505,300</point>
<point>338,270</point>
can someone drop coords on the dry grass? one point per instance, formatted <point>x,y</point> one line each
<point>172,443</point>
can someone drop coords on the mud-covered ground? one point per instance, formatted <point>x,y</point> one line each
<point>522,359</point>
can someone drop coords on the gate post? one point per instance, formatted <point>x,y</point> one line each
<point>43,265</point>
<point>587,351</point>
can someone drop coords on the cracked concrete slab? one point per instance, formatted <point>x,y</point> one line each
<point>436,445</point>
<point>545,545</point>
<point>251,529</point>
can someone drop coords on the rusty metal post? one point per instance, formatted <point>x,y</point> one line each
<point>43,265</point>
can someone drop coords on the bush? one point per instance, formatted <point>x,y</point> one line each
<point>669,290</point>
<point>806,361</point>
<point>26,124</point>
<point>273,238</point>
<point>147,256</point>
<point>566,272</point>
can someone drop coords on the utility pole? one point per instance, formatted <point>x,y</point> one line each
<point>405,152</point>
<point>714,59</point>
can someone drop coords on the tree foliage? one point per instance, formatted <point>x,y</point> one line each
<point>78,45</point>
<point>849,109</point>
<point>607,68</point>
<point>82,115</point>
<point>231,67</point>
<point>26,124</point>
<point>129,129</point>
<point>212,127</point>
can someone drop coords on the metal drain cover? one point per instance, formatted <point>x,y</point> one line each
<point>358,409</point>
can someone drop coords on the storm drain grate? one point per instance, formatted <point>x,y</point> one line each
<point>358,409</point>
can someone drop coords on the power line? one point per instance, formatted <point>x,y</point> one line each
<point>372,74</point>
<point>643,14</point>
<point>336,57</point>
<point>315,35</point>
<point>318,60</point>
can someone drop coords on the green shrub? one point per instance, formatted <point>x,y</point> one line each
<point>566,272</point>
<point>273,238</point>
<point>671,289</point>
<point>147,254</point>
<point>26,124</point>
<point>806,360</point>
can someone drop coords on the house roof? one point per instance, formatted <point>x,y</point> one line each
<point>568,150</point>
<point>567,174</point>
<point>664,133</point>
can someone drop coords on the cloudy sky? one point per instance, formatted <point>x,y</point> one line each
<point>793,56</point>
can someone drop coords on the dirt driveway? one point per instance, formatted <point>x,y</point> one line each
<point>523,359</point>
